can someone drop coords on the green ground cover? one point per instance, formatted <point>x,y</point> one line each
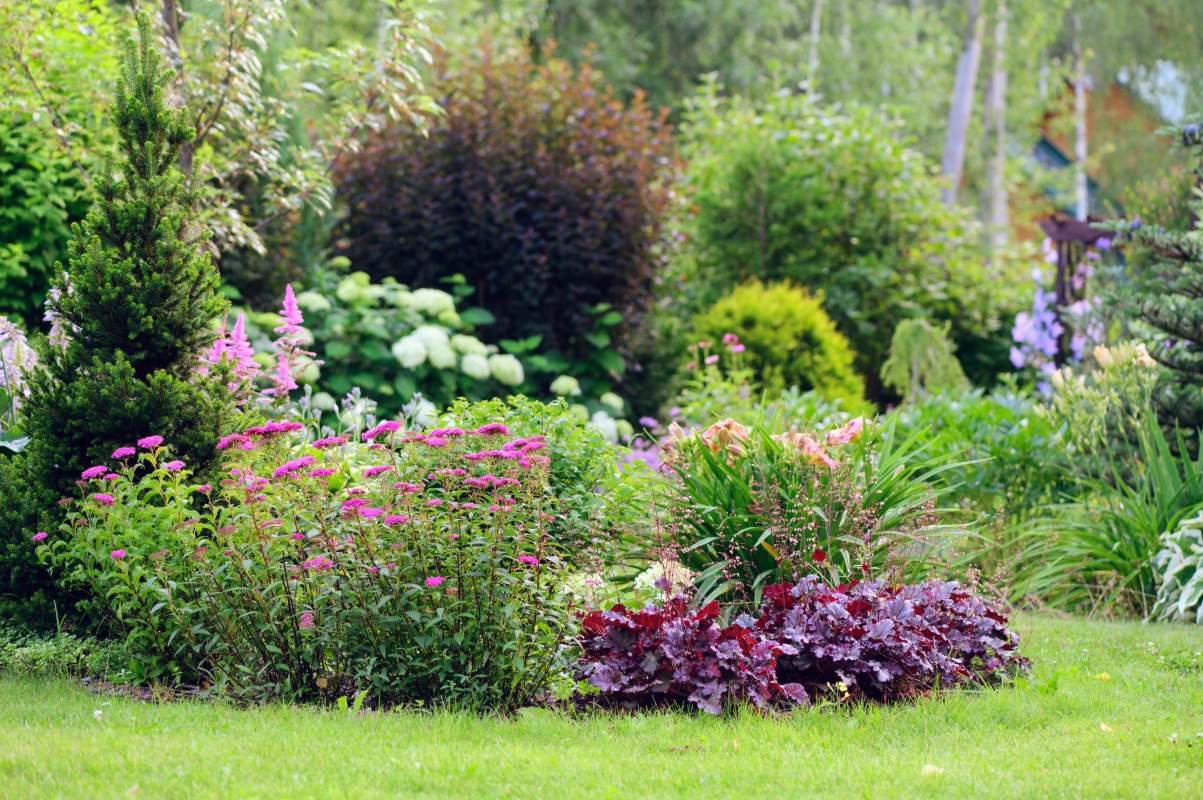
<point>1111,710</point>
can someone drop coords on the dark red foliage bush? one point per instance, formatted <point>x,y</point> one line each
<point>538,185</point>
<point>675,654</point>
<point>886,642</point>
<point>860,641</point>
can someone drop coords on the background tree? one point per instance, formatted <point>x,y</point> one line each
<point>1169,299</point>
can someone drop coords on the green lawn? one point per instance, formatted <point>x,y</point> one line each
<point>1073,731</point>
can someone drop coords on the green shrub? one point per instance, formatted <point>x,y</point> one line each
<point>26,653</point>
<point>922,361</point>
<point>1179,567</point>
<point>790,340</point>
<point>41,194</point>
<point>27,592</point>
<point>1011,458</point>
<point>835,200</point>
<point>538,186</point>
<point>136,306</point>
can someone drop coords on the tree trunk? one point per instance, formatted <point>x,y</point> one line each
<point>996,112</point>
<point>961,110</point>
<point>816,23</point>
<point>1081,151</point>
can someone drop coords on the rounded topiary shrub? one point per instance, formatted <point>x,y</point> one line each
<point>790,340</point>
<point>535,183</point>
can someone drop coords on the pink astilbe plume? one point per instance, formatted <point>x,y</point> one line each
<point>289,353</point>
<point>291,313</point>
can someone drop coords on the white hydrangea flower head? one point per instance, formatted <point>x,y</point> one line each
<point>312,301</point>
<point>566,386</point>
<point>409,351</point>
<point>506,369</point>
<point>431,302</point>
<point>605,424</point>
<point>469,345</point>
<point>612,401</point>
<point>432,336</point>
<point>475,365</point>
<point>671,577</point>
<point>625,429</point>
<point>442,356</point>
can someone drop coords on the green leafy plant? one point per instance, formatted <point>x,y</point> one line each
<point>748,509</point>
<point>1101,412</point>
<point>1179,566</point>
<point>922,361</point>
<point>1010,457</point>
<point>1096,555</point>
<point>789,339</point>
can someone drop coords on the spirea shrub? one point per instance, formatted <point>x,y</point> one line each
<point>536,184</point>
<point>856,641</point>
<point>418,568</point>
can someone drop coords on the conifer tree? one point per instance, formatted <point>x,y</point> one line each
<point>1169,299</point>
<point>136,304</point>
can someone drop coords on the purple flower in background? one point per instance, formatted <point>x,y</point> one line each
<point>124,452</point>
<point>150,442</point>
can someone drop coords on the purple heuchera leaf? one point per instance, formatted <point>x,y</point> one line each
<point>882,642</point>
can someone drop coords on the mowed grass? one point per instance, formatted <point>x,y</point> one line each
<point>1105,714</point>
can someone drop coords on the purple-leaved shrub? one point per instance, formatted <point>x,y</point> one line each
<point>856,641</point>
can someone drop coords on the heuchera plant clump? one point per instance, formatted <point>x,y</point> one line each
<point>855,641</point>
<point>676,654</point>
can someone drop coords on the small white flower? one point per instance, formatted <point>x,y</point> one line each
<point>97,714</point>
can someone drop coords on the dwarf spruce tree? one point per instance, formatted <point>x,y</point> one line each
<point>1169,299</point>
<point>136,303</point>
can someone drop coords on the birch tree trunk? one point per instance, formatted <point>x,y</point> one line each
<point>1081,151</point>
<point>961,110</point>
<point>816,23</point>
<point>996,112</point>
